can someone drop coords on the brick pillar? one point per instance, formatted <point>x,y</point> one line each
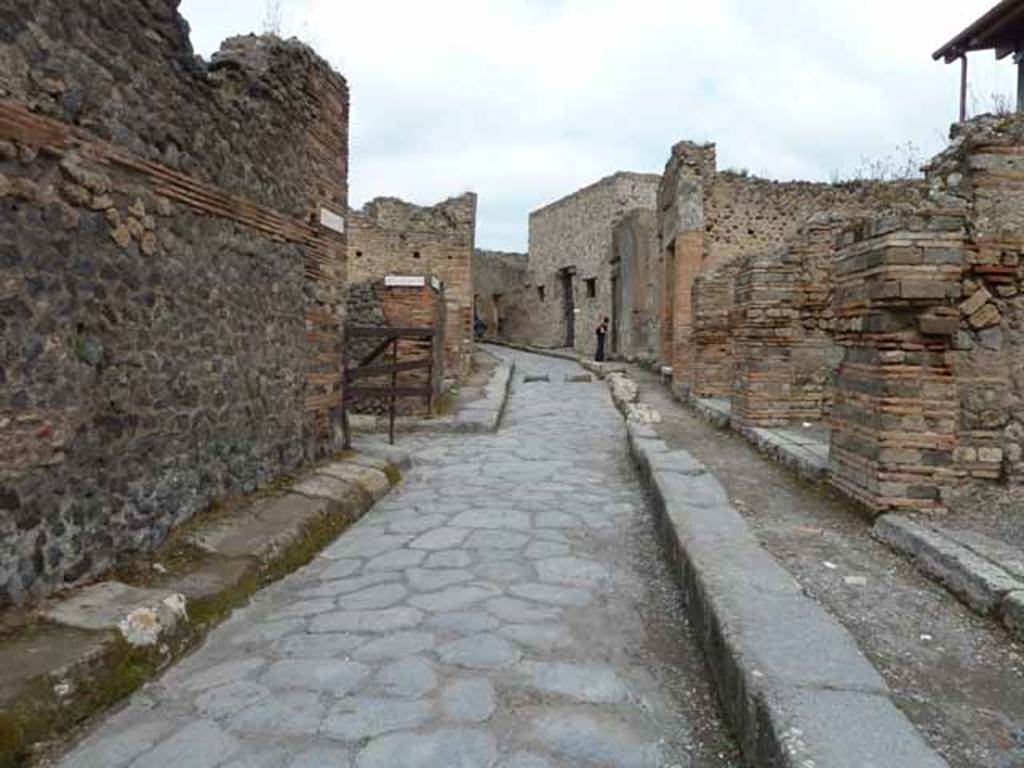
<point>689,254</point>
<point>896,410</point>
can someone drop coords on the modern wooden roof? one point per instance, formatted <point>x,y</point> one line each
<point>1002,29</point>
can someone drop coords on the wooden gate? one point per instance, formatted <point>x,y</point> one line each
<point>369,368</point>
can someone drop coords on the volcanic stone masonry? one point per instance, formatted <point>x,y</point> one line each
<point>172,277</point>
<point>392,237</point>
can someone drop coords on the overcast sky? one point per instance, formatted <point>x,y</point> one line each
<point>524,101</point>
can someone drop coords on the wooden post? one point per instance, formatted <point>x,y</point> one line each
<point>347,444</point>
<point>394,383</point>
<point>1019,59</point>
<point>963,88</point>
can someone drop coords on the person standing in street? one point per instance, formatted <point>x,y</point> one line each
<point>602,334</point>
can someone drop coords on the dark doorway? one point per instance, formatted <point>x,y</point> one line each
<point>616,309</point>
<point>569,304</point>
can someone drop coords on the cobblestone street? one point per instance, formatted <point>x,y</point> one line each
<point>506,606</point>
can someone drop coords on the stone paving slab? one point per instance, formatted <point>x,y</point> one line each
<point>496,610</point>
<point>791,678</point>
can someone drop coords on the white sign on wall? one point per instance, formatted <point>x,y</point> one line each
<point>331,220</point>
<point>404,281</point>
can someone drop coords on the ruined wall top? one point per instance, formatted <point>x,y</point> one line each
<point>980,173</point>
<point>125,71</point>
<point>738,212</point>
<point>599,187</point>
<point>391,213</point>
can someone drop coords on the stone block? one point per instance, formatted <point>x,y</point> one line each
<point>371,480</point>
<point>985,317</point>
<point>923,289</point>
<point>142,616</point>
<point>1013,613</point>
<point>939,326</point>
<point>977,300</point>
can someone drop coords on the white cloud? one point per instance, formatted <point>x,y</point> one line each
<point>524,101</point>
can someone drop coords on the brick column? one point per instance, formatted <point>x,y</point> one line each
<point>894,422</point>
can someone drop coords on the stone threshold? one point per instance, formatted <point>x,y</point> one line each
<point>78,653</point>
<point>789,676</point>
<point>985,574</point>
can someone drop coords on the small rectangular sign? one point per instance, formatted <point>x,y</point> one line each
<point>404,281</point>
<point>331,220</point>
<point>436,283</point>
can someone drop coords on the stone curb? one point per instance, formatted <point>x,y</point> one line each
<point>271,537</point>
<point>790,678</point>
<point>787,453</point>
<point>984,586</point>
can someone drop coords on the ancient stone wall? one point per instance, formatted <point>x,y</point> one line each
<point>636,287</point>
<point>170,302</point>
<point>708,218</point>
<point>503,289</point>
<point>392,237</point>
<point>571,245</point>
<point>785,350</point>
<point>711,353</point>
<point>982,172</point>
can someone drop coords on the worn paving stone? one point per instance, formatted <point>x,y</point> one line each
<point>200,745</point>
<point>452,558</point>
<point>396,560</point>
<point>525,760</point>
<point>469,700</point>
<point>429,580</point>
<point>496,540</point>
<point>265,632</point>
<point>380,596</point>
<point>358,719</point>
<point>541,637</point>
<point>549,593</point>
<point>572,570</point>
<point>287,714</point>
<point>452,598</point>
<point>395,645</point>
<point>483,651</point>
<point>593,684</point>
<point>491,518</point>
<point>595,740</point>
<point>224,673</point>
<point>520,611</point>
<point>412,677</point>
<point>347,586</point>
<point>327,675</point>
<point>323,757</point>
<point>326,645</point>
<point>387,620</point>
<point>440,539</point>
<point>446,748</point>
<point>231,697</point>
<point>463,622</point>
